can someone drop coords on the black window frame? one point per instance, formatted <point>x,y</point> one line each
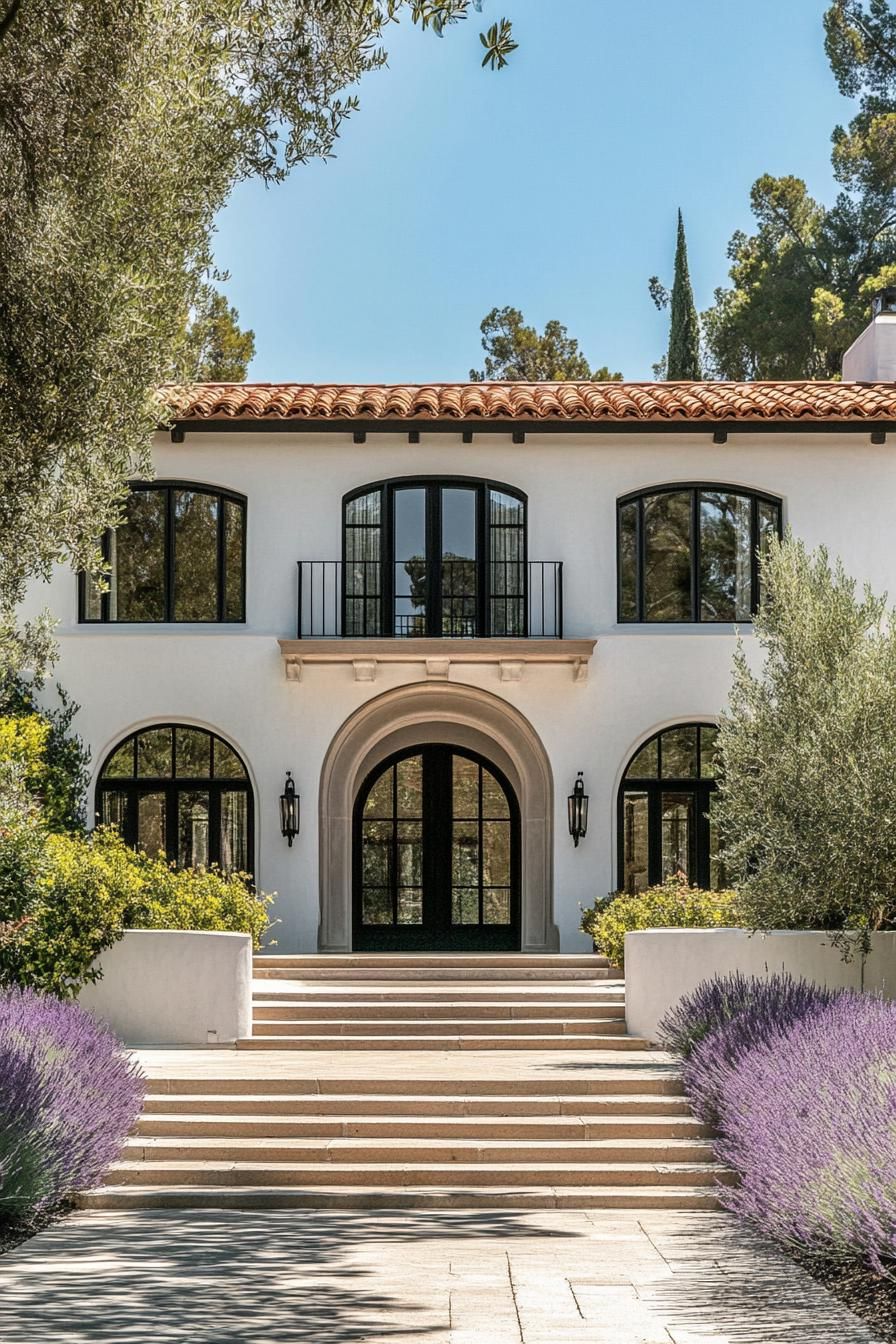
<point>696,488</point>
<point>702,790</point>
<point>434,485</point>
<point>172,785</point>
<point>169,486</point>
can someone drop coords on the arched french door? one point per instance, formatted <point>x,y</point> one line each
<point>436,855</point>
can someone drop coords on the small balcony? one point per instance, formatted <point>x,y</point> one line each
<point>453,600</point>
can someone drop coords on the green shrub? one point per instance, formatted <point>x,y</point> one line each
<point>54,759</point>
<point>672,904</point>
<point>85,890</point>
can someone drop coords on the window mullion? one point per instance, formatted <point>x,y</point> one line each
<point>169,555</point>
<point>696,558</point>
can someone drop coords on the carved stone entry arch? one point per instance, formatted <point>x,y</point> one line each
<point>462,716</point>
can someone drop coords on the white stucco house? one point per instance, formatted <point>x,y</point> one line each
<point>434,606</point>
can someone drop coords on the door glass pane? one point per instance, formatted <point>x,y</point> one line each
<point>465,854</point>
<point>496,906</point>
<point>137,554</point>
<point>465,905</point>
<point>195,556</point>
<point>154,753</point>
<point>234,545</point>
<point>410,853</point>
<point>151,825</point>
<point>410,562</point>
<point>725,557</point>
<point>410,787</point>
<point>628,562</point>
<point>634,876</point>
<point>717,876</point>
<point>363,564</point>
<point>678,835</point>
<point>465,787</point>
<point>667,557</point>
<point>376,906</point>
<point>192,753</point>
<point>377,853</point>
<point>507,570</point>
<point>496,853</point>
<point>459,586</point>
<point>192,829</point>
<point>494,799</point>
<point>113,808</point>
<point>679,753</point>
<point>234,847</point>
<point>379,799</point>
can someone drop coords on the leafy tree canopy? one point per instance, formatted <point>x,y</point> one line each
<point>215,348</point>
<point>807,754</point>
<point>516,353</point>
<point>801,282</point>
<point>123,126</point>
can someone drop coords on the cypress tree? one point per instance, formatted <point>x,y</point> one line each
<point>684,334</point>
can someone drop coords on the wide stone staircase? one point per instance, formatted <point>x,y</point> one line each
<point>374,1091</point>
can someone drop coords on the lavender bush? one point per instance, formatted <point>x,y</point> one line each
<point>724,1018</point>
<point>808,1120</point>
<point>68,1097</point>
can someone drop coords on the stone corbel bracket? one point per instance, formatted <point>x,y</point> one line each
<point>437,657</point>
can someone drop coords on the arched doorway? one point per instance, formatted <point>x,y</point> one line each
<point>435,847</point>
<point>470,720</point>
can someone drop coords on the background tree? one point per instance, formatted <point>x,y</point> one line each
<point>807,753</point>
<point>123,126</point>
<point>682,362</point>
<point>516,353</point>
<point>801,283</point>
<point>215,348</point>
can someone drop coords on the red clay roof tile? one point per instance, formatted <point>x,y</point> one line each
<point>650,403</point>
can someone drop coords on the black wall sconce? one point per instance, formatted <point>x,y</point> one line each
<point>578,810</point>
<point>289,810</point>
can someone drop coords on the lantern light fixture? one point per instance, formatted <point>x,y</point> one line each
<point>578,810</point>
<point>289,810</point>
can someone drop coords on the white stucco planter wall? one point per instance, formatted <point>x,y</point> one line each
<point>175,987</point>
<point>661,965</point>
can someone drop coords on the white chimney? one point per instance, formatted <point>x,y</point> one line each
<point>872,356</point>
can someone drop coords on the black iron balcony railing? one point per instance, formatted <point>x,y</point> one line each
<point>457,599</point>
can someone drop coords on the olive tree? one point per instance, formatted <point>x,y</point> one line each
<point>806,805</point>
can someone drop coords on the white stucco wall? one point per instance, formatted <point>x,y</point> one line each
<point>836,489</point>
<point>173,987</point>
<point>662,965</point>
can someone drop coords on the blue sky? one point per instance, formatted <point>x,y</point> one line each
<point>551,185</point>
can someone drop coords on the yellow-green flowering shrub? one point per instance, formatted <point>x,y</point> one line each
<point>672,904</point>
<point>90,888</point>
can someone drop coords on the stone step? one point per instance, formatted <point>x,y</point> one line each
<point>354,1125</point>
<point>446,1108</point>
<point>591,973</point>
<point>333,963</point>
<point>544,1041</point>
<point>363,1026</point>
<point>645,1196</point>
<point>648,1078</point>
<point>288,1011</point>
<point>426,996</point>
<point>447,1174</point>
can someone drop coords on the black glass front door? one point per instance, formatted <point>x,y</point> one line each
<point>436,855</point>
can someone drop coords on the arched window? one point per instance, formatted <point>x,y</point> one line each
<point>179,555</point>
<point>179,793</point>
<point>665,802</point>
<point>443,558</point>
<point>691,552</point>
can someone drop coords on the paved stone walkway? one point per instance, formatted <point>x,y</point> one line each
<point>279,1277</point>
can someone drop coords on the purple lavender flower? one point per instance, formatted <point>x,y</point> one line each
<point>68,1097</point>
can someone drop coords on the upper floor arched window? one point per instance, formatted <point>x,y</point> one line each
<point>691,552</point>
<point>179,793</point>
<point>665,803</point>
<point>435,557</point>
<point>179,555</point>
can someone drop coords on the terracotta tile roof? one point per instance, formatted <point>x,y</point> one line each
<point>650,403</point>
